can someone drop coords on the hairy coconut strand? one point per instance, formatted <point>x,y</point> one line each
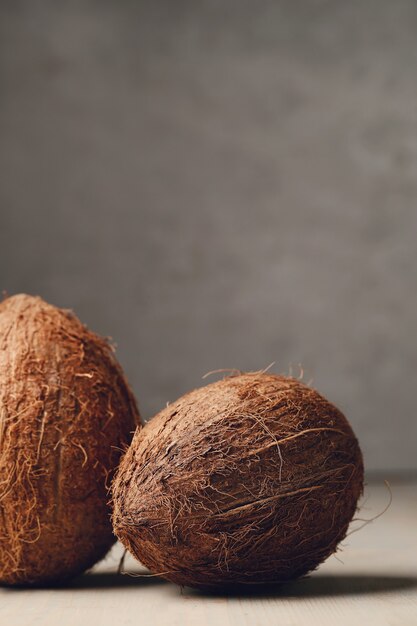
<point>66,415</point>
<point>251,479</point>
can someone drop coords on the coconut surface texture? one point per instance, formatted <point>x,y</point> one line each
<point>66,414</point>
<point>252,479</point>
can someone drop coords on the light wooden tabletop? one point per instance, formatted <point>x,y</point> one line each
<point>373,581</point>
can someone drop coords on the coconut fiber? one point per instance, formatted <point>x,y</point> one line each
<point>252,479</point>
<point>66,414</point>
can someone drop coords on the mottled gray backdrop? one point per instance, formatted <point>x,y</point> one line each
<point>223,184</point>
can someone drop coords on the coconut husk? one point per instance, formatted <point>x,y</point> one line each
<point>66,416</point>
<point>252,479</point>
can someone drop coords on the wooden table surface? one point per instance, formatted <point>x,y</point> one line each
<point>373,580</point>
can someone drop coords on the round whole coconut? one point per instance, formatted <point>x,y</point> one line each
<point>252,479</point>
<point>66,414</point>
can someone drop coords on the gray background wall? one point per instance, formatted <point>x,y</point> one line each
<point>223,184</point>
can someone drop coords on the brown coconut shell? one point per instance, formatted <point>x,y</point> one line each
<point>66,415</point>
<point>252,479</point>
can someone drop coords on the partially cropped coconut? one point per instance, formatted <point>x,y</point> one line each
<point>251,479</point>
<point>66,415</point>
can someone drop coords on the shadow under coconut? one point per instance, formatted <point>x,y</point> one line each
<point>107,580</point>
<point>316,586</point>
<point>92,580</point>
<point>309,587</point>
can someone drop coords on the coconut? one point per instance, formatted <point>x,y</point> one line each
<point>66,415</point>
<point>252,479</point>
